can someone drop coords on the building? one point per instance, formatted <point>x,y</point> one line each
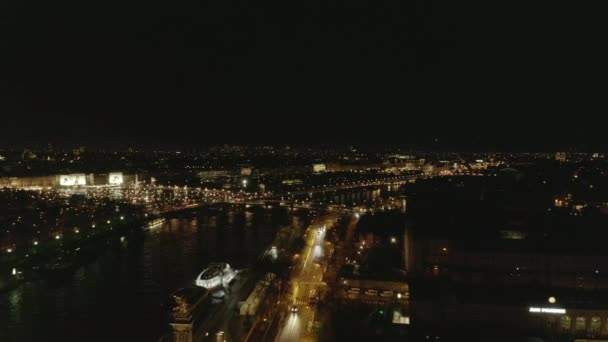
<point>211,174</point>
<point>549,317</point>
<point>373,289</point>
<point>251,305</point>
<point>318,168</point>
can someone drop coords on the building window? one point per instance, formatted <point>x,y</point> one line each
<point>580,324</point>
<point>566,323</point>
<point>596,325</point>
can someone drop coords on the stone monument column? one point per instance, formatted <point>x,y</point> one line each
<point>181,332</point>
<point>187,305</point>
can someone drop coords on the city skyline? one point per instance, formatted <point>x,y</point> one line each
<point>114,131</point>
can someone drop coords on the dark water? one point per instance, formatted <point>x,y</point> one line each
<point>118,297</point>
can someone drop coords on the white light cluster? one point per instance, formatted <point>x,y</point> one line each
<point>115,178</point>
<point>548,310</point>
<point>73,180</point>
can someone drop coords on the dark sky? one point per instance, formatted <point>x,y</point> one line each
<point>468,73</point>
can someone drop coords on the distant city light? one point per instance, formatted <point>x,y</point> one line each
<point>552,300</point>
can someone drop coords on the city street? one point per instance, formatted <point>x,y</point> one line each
<point>307,283</point>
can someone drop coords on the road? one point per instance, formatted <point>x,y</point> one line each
<point>307,282</point>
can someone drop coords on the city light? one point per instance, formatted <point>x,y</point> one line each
<point>332,261</point>
<point>547,310</point>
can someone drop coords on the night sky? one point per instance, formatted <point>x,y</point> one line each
<point>497,75</point>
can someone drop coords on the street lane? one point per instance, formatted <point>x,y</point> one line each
<point>297,326</point>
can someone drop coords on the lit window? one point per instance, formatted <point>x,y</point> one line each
<point>580,324</point>
<point>565,323</point>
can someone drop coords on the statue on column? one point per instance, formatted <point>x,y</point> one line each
<point>181,308</point>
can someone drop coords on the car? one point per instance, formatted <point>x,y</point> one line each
<point>294,309</point>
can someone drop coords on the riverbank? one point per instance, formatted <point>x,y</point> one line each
<point>64,255</point>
